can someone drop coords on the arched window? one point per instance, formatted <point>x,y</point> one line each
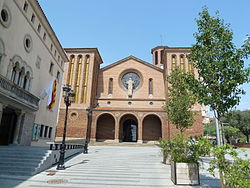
<point>156,57</point>
<point>182,63</point>
<point>71,70</point>
<point>190,67</point>
<point>20,77</point>
<point>162,51</point>
<point>110,89</point>
<point>150,86</point>
<point>173,61</point>
<point>78,76</point>
<point>26,81</point>
<point>85,78</point>
<point>14,72</point>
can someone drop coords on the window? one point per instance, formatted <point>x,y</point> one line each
<point>70,70</point>
<point>44,36</point>
<point>150,86</point>
<point>182,63</point>
<point>25,6</point>
<point>162,56</point>
<point>14,72</point>
<point>51,47</point>
<point>41,131</point>
<point>173,61</point>
<point>190,67</point>
<point>58,76</point>
<point>27,43</point>
<point>33,18</point>
<point>58,58</point>
<point>5,16</point>
<point>50,131</point>
<point>110,89</point>
<point>55,53</point>
<point>39,28</point>
<point>45,131</point>
<point>51,68</point>
<point>25,81</point>
<point>156,57</point>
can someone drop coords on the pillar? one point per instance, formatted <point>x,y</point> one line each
<point>17,132</point>
<point>116,130</point>
<point>139,131</point>
<point>93,128</point>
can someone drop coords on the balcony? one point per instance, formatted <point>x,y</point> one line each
<point>16,95</point>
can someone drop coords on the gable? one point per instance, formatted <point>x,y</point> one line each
<point>131,58</point>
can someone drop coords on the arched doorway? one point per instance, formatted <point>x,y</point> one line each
<point>7,126</point>
<point>151,128</point>
<point>105,129</point>
<point>128,128</point>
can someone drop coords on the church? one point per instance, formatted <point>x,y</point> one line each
<point>124,101</point>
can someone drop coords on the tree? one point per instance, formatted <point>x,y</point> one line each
<point>230,132</point>
<point>180,101</point>
<point>240,120</point>
<point>220,65</point>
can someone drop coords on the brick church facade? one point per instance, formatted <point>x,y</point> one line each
<point>122,102</point>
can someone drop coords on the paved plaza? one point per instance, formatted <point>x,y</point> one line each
<point>107,167</point>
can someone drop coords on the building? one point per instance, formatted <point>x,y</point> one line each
<point>31,58</point>
<point>122,102</point>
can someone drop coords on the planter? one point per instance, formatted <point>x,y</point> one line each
<point>185,173</point>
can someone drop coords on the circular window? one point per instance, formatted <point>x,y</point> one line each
<point>27,43</point>
<point>5,16</point>
<point>73,116</point>
<point>130,77</point>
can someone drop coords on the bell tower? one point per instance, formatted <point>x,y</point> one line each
<point>157,54</point>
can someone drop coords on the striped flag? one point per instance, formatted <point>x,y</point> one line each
<point>51,92</point>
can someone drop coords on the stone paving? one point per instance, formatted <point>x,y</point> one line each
<point>107,167</point>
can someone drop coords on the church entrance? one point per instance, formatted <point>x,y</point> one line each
<point>105,128</point>
<point>129,131</point>
<point>7,126</point>
<point>128,128</point>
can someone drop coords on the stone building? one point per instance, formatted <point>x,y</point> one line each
<point>30,58</point>
<point>122,102</point>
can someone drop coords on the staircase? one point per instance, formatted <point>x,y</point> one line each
<point>22,160</point>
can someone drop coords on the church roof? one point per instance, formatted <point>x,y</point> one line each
<point>134,58</point>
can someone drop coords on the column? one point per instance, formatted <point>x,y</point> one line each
<point>139,131</point>
<point>93,128</point>
<point>17,130</point>
<point>116,130</point>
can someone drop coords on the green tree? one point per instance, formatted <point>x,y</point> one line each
<point>219,63</point>
<point>230,132</point>
<point>240,120</point>
<point>180,101</point>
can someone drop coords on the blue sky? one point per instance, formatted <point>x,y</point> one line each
<point>119,28</point>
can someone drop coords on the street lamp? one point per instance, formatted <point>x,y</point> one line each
<point>85,148</point>
<point>68,96</point>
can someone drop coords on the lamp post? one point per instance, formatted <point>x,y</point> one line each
<point>68,96</point>
<point>85,148</point>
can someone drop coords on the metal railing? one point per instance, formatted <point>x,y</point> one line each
<point>68,146</point>
<point>18,92</point>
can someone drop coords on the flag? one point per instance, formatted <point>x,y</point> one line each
<point>51,92</point>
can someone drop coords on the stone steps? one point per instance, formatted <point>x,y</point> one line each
<point>21,160</point>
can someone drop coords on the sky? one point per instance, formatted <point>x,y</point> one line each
<point>120,28</point>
